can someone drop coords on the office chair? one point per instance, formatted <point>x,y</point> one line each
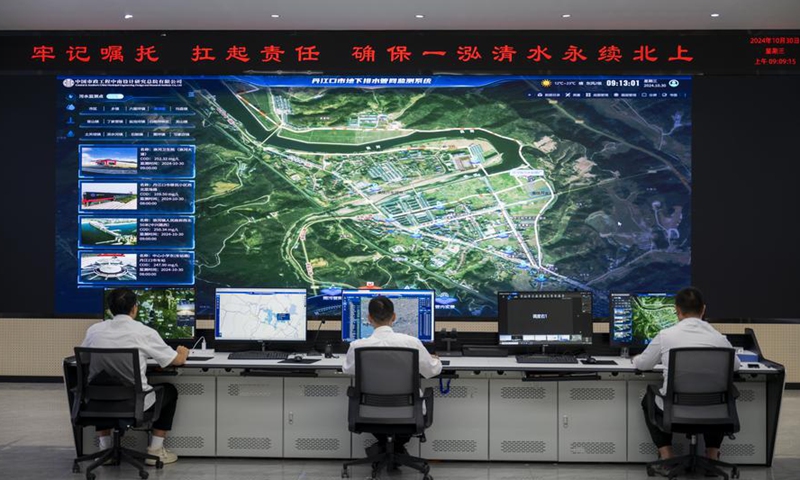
<point>109,392</point>
<point>386,400</point>
<point>700,398</point>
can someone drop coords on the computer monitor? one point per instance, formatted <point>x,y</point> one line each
<point>414,310</point>
<point>636,318</point>
<point>260,314</point>
<point>544,318</point>
<point>169,311</point>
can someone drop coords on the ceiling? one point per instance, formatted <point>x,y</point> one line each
<point>398,15</point>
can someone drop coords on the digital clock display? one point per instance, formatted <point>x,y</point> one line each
<point>623,83</point>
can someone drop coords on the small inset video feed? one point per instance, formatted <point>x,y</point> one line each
<point>109,196</point>
<point>170,311</point>
<point>109,160</point>
<point>114,232</point>
<point>108,267</point>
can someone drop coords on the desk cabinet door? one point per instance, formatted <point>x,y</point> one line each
<point>193,429</point>
<point>592,421</point>
<point>460,429</point>
<point>523,424</point>
<point>315,417</point>
<point>750,444</point>
<point>249,417</point>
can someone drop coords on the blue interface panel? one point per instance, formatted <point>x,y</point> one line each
<point>414,310</point>
<point>636,318</point>
<point>320,181</point>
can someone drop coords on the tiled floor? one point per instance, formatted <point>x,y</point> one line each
<point>36,443</point>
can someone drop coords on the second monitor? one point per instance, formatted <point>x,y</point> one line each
<point>414,310</point>
<point>636,318</point>
<point>260,314</point>
<point>544,318</point>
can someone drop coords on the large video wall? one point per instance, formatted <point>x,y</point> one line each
<point>467,185</point>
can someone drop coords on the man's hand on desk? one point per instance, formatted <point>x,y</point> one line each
<point>183,354</point>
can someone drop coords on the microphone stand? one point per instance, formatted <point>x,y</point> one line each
<point>314,352</point>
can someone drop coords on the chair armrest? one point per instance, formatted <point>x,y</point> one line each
<point>157,389</point>
<point>653,390</point>
<point>427,397</point>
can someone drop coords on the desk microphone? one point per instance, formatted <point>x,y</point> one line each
<point>313,352</point>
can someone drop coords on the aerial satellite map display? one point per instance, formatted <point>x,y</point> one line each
<point>463,185</point>
<point>650,315</point>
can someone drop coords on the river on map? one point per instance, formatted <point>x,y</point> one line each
<point>509,149</point>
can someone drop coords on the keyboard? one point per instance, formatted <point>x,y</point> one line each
<point>258,355</point>
<point>546,359</point>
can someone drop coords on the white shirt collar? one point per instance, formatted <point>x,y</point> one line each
<point>691,319</point>
<point>383,329</point>
<point>123,317</point>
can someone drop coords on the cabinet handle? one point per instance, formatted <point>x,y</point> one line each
<point>565,420</point>
<point>291,418</point>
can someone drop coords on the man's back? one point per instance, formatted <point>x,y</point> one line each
<point>689,332</point>
<point>386,337</point>
<point>124,332</point>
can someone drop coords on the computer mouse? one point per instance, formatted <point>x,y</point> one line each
<point>296,358</point>
<point>591,360</point>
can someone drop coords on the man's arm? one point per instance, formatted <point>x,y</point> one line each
<point>429,366</point>
<point>181,357</point>
<point>349,365</point>
<point>162,353</point>
<point>727,344</point>
<point>650,357</point>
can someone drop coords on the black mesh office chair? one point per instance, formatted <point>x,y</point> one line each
<point>109,394</point>
<point>700,398</point>
<point>386,400</point>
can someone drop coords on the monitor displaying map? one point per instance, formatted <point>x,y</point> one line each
<point>268,315</point>
<point>464,185</point>
<point>413,309</point>
<point>638,317</point>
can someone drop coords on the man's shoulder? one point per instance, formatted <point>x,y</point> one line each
<point>405,339</point>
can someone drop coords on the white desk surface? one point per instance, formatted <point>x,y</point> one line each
<point>509,363</point>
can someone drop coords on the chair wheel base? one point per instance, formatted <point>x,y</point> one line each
<point>735,473</point>
<point>159,464</point>
<point>143,475</point>
<point>76,468</point>
<point>427,477</point>
<point>90,476</point>
<point>650,471</point>
<point>345,474</point>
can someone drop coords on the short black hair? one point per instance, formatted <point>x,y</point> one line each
<point>381,309</point>
<point>121,301</point>
<point>690,300</point>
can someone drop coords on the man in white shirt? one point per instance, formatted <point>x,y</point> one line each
<point>690,331</point>
<point>124,332</point>
<point>381,316</point>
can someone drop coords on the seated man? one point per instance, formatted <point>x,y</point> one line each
<point>124,332</point>
<point>690,331</point>
<point>381,316</point>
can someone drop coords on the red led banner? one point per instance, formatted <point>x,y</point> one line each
<point>623,52</point>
